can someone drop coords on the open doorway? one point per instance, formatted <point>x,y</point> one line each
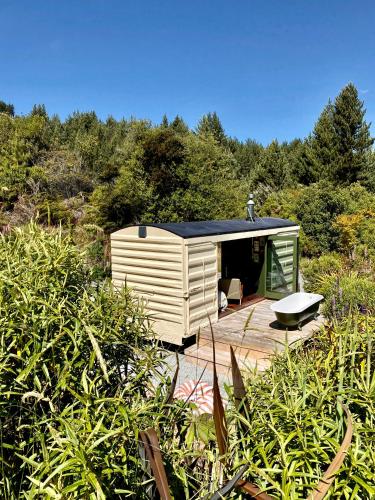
<point>241,266</point>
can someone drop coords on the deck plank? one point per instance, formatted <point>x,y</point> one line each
<point>255,345</point>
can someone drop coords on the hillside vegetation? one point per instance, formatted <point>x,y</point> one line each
<point>111,173</point>
<point>81,374</point>
<point>95,176</point>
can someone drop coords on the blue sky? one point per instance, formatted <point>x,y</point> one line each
<point>267,67</point>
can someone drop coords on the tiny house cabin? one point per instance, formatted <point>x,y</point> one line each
<point>181,270</point>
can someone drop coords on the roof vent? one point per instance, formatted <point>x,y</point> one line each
<point>251,208</point>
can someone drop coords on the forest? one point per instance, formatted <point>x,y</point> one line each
<point>78,361</point>
<point>84,171</point>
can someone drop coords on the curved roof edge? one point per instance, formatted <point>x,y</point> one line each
<point>218,227</point>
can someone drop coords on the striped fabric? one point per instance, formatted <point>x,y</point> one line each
<point>199,393</point>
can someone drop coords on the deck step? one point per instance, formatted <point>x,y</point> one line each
<point>246,358</point>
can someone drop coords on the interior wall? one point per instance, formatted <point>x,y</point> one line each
<point>244,259</point>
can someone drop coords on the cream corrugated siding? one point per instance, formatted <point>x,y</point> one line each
<point>202,280</point>
<point>153,268</point>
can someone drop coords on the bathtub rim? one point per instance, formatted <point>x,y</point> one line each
<point>317,299</point>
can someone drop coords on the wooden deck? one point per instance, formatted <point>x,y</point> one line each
<point>254,334</point>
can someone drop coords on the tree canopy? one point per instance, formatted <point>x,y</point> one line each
<point>85,170</point>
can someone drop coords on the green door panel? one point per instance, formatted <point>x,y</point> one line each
<point>281,266</point>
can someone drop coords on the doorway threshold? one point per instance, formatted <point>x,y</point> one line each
<point>247,301</point>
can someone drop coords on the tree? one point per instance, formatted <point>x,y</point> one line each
<point>317,209</point>
<point>163,151</point>
<point>353,135</point>
<point>123,201</point>
<point>367,176</point>
<point>246,154</point>
<point>341,140</point>
<point>272,169</point>
<point>6,108</point>
<point>39,110</point>
<point>206,186</point>
<point>304,167</point>
<point>324,145</point>
<point>164,121</point>
<point>21,143</point>
<point>211,124</point>
<point>64,176</point>
<point>179,126</point>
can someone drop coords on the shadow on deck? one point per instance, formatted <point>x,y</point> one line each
<point>253,333</point>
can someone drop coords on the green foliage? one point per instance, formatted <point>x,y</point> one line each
<point>208,188</point>
<point>123,202</point>
<point>246,155</point>
<point>74,363</point>
<point>65,174</point>
<point>348,292</point>
<point>6,108</point>
<point>341,142</point>
<point>21,143</point>
<point>76,366</point>
<point>331,218</point>
<point>273,168</point>
<point>281,204</point>
<point>168,176</point>
<point>319,270</point>
<point>95,243</point>
<point>318,206</point>
<point>290,425</point>
<point>353,135</point>
<point>324,144</point>
<point>346,284</point>
<point>210,124</point>
<point>131,171</point>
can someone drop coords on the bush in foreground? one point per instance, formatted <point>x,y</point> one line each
<point>75,362</point>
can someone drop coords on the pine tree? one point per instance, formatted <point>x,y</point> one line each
<point>6,108</point>
<point>353,136</point>
<point>164,122</point>
<point>39,110</point>
<point>211,124</point>
<point>273,168</point>
<point>179,126</point>
<point>324,145</point>
<point>304,166</point>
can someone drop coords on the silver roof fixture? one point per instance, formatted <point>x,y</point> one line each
<point>251,208</point>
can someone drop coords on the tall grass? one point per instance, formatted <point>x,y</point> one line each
<point>310,414</point>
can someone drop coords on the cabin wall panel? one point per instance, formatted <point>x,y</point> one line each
<point>202,284</point>
<point>152,268</point>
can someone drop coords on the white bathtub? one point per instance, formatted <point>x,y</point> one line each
<point>295,308</point>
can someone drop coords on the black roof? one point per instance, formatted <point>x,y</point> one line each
<point>216,227</point>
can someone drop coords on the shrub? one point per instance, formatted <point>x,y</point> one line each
<point>290,424</point>
<point>75,362</point>
<point>349,292</point>
<point>316,271</point>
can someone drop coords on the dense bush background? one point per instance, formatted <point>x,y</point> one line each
<point>110,173</point>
